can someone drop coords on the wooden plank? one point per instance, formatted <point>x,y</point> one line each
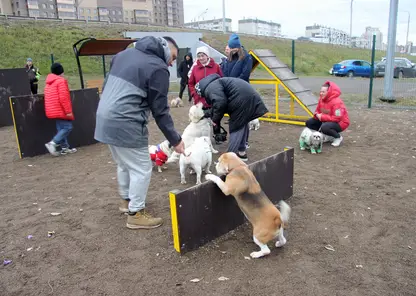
<point>33,129</point>
<point>13,82</point>
<point>203,213</point>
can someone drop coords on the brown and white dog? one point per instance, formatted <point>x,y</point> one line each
<point>268,222</point>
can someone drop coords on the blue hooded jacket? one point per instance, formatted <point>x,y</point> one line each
<point>238,68</point>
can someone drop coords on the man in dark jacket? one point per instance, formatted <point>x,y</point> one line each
<point>237,98</point>
<point>183,71</point>
<point>136,85</point>
<point>33,74</point>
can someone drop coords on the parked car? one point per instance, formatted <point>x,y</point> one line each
<point>352,68</point>
<point>403,68</point>
<point>400,58</point>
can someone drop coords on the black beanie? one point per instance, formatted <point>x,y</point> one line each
<point>57,69</point>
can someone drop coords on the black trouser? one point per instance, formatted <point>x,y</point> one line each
<point>182,89</point>
<point>34,88</point>
<point>328,128</point>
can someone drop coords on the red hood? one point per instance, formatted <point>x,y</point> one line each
<point>333,91</point>
<point>210,64</point>
<point>51,78</point>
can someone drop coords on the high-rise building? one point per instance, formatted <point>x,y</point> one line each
<point>254,26</point>
<point>368,35</point>
<point>168,12</point>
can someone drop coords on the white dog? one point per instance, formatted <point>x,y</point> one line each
<point>199,158</point>
<point>312,140</point>
<point>159,154</point>
<point>177,102</point>
<point>254,124</point>
<point>198,127</point>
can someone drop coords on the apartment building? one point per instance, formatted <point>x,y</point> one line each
<point>254,26</point>
<point>368,36</point>
<point>323,34</point>
<point>212,25</point>
<point>6,7</point>
<point>162,12</point>
<point>168,12</point>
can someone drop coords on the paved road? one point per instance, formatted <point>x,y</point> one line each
<point>402,88</point>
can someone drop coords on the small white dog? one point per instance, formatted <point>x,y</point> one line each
<point>198,127</point>
<point>312,140</point>
<point>159,154</point>
<point>199,158</point>
<point>254,124</point>
<point>177,102</point>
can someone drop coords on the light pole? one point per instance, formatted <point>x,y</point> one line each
<point>351,23</point>
<point>223,17</point>
<point>204,12</point>
<point>407,33</point>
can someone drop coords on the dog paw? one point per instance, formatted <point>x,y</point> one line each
<point>191,172</point>
<point>302,148</point>
<point>258,254</point>
<point>198,183</point>
<point>208,171</point>
<point>183,182</point>
<point>280,243</point>
<point>215,151</point>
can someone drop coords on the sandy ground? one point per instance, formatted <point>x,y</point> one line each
<point>358,198</point>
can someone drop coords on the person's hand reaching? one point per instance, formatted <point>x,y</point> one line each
<point>180,148</point>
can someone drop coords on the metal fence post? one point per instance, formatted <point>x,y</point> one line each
<point>293,56</point>
<point>373,54</point>
<point>52,59</point>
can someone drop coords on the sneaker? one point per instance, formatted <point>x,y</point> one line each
<point>142,220</point>
<point>65,151</point>
<point>124,205</point>
<point>243,156</point>
<point>337,141</point>
<point>51,146</point>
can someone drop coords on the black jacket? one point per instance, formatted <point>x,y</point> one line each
<point>184,68</point>
<point>233,96</point>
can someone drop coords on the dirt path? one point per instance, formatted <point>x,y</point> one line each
<point>359,198</point>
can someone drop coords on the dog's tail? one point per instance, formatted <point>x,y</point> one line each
<point>284,212</point>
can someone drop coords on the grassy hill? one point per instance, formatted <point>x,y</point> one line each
<point>22,39</point>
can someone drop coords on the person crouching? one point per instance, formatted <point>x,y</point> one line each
<point>58,106</point>
<point>240,100</point>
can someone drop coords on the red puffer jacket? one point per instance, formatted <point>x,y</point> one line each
<point>199,72</point>
<point>57,98</point>
<point>332,107</point>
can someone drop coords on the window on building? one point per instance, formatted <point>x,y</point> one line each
<point>18,13</point>
<point>44,6</point>
<point>17,4</point>
<point>88,11</point>
<point>81,10</point>
<point>52,6</point>
<point>95,11</point>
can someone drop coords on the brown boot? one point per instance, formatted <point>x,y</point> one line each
<point>143,220</point>
<point>124,205</point>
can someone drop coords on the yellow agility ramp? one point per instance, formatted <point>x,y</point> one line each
<point>283,77</point>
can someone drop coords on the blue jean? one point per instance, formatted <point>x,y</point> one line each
<point>64,128</point>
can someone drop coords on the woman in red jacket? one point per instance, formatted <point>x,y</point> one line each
<point>58,106</point>
<point>203,67</point>
<point>331,115</point>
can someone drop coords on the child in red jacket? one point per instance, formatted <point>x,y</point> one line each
<point>331,115</point>
<point>58,106</point>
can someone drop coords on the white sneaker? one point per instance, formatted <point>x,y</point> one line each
<point>51,146</point>
<point>337,141</point>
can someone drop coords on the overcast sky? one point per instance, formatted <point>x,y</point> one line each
<point>295,15</point>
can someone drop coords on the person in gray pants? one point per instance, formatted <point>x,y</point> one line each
<point>137,84</point>
<point>240,100</point>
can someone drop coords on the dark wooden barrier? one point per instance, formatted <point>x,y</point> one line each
<point>34,129</point>
<point>13,82</point>
<point>203,213</point>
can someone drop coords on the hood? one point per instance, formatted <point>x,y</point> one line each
<point>211,63</point>
<point>51,78</point>
<point>188,55</point>
<point>333,91</point>
<point>155,46</point>
<point>202,85</point>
